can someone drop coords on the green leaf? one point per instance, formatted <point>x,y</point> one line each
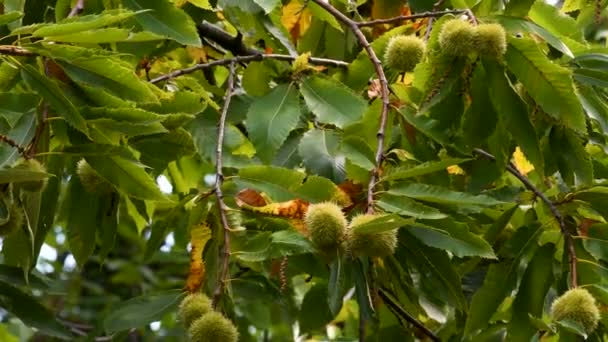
<point>279,244</point>
<point>105,35</point>
<point>406,207</point>
<point>513,112</point>
<point>516,25</point>
<point>382,223</point>
<point>453,237</point>
<point>166,20</point>
<point>573,154</point>
<point>518,8</point>
<point>318,189</point>
<point>358,151</point>
<point>271,118</point>
<point>596,241</point>
<point>421,169</point>
<point>549,84</point>
<point>83,23</point>
<point>531,295</point>
<point>331,101</point>
<point>267,5</point>
<point>10,17</point>
<point>14,275</point>
<point>139,311</point>
<point>436,194</point>
<point>30,311</point>
<point>315,312</point>
<point>79,214</point>
<point>17,175</point>
<point>51,92</point>
<point>97,68</point>
<point>276,182</point>
<point>126,176</point>
<point>550,18</point>
<point>319,150</point>
<point>573,327</point>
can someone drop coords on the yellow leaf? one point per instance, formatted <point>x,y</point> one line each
<point>296,18</point>
<point>455,170</point>
<point>199,235</point>
<point>521,163</point>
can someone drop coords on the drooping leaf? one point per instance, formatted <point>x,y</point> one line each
<point>276,182</point>
<point>407,207</point>
<point>271,118</point>
<point>382,223</point>
<point>50,91</point>
<point>320,151</point>
<point>549,84</point>
<point>126,176</point>
<point>436,194</point>
<point>421,169</point>
<point>453,237</point>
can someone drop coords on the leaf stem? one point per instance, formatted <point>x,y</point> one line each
<point>552,207</point>
<point>219,179</point>
<point>395,307</point>
<point>243,59</point>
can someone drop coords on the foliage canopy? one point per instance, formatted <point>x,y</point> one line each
<point>151,149</point>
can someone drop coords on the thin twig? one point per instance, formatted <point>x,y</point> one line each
<point>13,50</point>
<point>247,58</point>
<point>77,9</point>
<point>432,19</point>
<point>13,143</point>
<point>404,314</point>
<point>219,179</point>
<point>384,92</point>
<point>512,169</point>
<point>430,14</point>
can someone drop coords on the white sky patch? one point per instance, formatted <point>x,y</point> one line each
<point>209,179</point>
<point>164,184</point>
<point>169,242</point>
<point>69,264</point>
<point>155,326</point>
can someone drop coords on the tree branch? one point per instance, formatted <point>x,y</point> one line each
<point>233,44</point>
<point>77,9</point>
<point>243,59</point>
<point>405,315</point>
<point>12,50</point>
<point>431,14</point>
<point>219,180</point>
<point>12,143</point>
<point>384,92</point>
<point>554,211</point>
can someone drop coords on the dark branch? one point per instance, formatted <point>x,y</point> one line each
<point>384,93</point>
<point>12,50</point>
<point>401,18</point>
<point>554,211</point>
<point>219,180</point>
<point>224,39</point>
<point>244,59</point>
<point>5,139</point>
<point>405,315</point>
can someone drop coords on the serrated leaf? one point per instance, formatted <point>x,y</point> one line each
<point>515,25</point>
<point>83,23</point>
<point>320,151</point>
<point>278,244</point>
<point>10,17</point>
<point>331,101</point>
<point>17,175</point>
<point>530,299</point>
<point>421,169</point>
<point>382,223</point>
<point>453,237</point>
<point>52,93</point>
<point>271,118</point>
<point>406,207</point>
<point>139,311</point>
<point>79,214</point>
<point>30,311</point>
<point>513,112</point>
<point>98,68</point>
<point>105,35</point>
<point>358,151</point>
<point>166,20</point>
<point>267,5</point>
<point>549,84</point>
<point>126,176</point>
<point>276,182</point>
<point>436,194</point>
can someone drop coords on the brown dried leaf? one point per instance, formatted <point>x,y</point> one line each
<point>199,235</point>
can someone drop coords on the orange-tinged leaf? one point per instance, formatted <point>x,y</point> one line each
<point>455,170</point>
<point>296,18</point>
<point>291,209</point>
<point>199,235</point>
<point>251,197</point>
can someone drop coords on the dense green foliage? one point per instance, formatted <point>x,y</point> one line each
<point>488,178</point>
